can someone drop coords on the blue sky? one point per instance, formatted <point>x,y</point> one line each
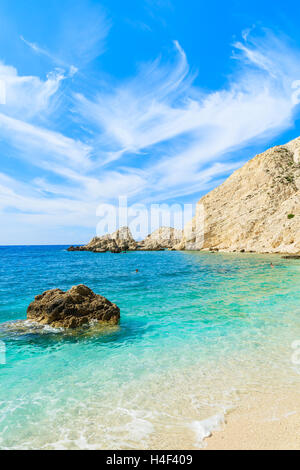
<point>156,100</point>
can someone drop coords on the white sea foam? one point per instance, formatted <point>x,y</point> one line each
<point>29,326</point>
<point>205,428</point>
<point>138,428</point>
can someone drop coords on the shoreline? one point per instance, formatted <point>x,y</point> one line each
<point>261,421</point>
<point>290,254</point>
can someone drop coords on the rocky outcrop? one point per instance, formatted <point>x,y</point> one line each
<point>77,248</point>
<point>122,240</point>
<point>162,239</point>
<point>256,209</point>
<point>72,309</point>
<point>117,242</point>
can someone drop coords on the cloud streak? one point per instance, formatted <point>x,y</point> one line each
<point>29,96</point>
<point>80,38</point>
<point>175,129</point>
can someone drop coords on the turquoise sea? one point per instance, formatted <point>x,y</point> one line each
<point>198,332</point>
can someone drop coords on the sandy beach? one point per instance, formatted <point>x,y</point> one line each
<point>261,422</point>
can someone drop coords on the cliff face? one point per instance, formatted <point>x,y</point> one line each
<point>256,209</point>
<point>163,238</point>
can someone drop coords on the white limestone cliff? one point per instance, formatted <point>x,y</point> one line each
<point>256,209</point>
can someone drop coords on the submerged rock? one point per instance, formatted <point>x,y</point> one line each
<point>72,309</point>
<point>291,257</point>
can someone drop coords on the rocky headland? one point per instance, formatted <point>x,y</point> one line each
<point>72,309</point>
<point>257,209</point>
<point>122,240</point>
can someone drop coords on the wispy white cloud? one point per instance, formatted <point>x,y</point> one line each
<point>31,217</point>
<point>30,107</point>
<point>35,142</point>
<point>83,28</point>
<point>80,36</point>
<point>40,50</point>
<point>162,106</point>
<point>155,137</point>
<point>72,70</point>
<point>28,96</point>
<point>143,112</point>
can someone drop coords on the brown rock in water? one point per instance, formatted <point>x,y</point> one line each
<point>72,309</point>
<point>76,248</point>
<point>117,242</point>
<point>291,257</point>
